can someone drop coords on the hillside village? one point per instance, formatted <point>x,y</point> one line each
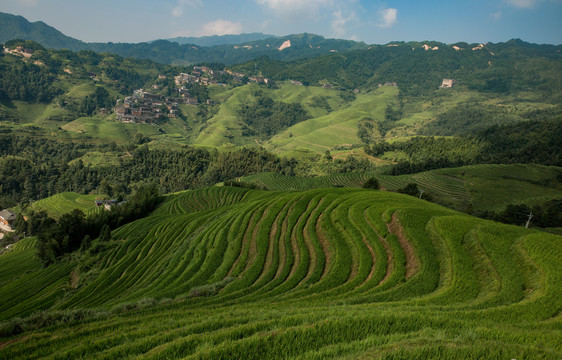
<point>146,108</point>
<point>149,108</point>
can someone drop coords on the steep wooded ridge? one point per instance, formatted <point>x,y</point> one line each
<point>228,272</point>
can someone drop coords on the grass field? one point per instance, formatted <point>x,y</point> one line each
<point>328,273</point>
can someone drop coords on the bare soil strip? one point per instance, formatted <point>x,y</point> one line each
<point>412,262</point>
<point>325,245</point>
<point>254,242</point>
<point>389,253</point>
<point>244,244</point>
<point>313,256</point>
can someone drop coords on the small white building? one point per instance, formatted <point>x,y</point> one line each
<point>448,83</point>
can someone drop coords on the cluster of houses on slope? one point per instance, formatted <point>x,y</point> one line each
<point>203,75</point>
<point>7,218</point>
<point>448,83</point>
<point>147,108</point>
<point>19,50</point>
<point>108,204</point>
<point>199,75</point>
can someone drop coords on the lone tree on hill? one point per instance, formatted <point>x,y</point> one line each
<point>371,183</point>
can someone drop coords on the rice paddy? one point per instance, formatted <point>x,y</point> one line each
<point>225,272</point>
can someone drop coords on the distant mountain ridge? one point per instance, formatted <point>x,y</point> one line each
<point>184,51</point>
<point>217,40</point>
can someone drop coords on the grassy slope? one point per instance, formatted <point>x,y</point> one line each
<point>223,129</point>
<point>337,128</point>
<point>328,273</point>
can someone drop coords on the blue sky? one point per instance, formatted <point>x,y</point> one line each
<point>371,21</point>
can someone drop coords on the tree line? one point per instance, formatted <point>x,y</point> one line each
<point>32,168</point>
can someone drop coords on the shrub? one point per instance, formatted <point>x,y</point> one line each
<point>371,183</point>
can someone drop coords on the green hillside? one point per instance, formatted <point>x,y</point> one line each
<point>226,129</point>
<point>336,128</point>
<point>330,273</point>
<point>214,40</point>
<point>56,93</point>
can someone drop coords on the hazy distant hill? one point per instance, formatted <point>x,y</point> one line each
<point>216,40</point>
<point>17,27</point>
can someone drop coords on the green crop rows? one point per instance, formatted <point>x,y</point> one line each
<point>222,273</point>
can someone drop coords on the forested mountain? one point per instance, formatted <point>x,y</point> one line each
<point>17,27</point>
<point>163,51</point>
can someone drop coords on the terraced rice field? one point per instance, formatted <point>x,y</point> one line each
<point>230,273</point>
<point>275,181</point>
<point>59,204</point>
<point>486,187</point>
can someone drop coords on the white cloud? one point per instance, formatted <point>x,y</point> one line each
<point>299,8</point>
<point>387,17</point>
<point>221,27</point>
<point>339,22</point>
<point>523,4</point>
<point>295,6</point>
<point>178,10</point>
<point>497,15</point>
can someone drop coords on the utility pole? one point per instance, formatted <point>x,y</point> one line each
<point>530,216</point>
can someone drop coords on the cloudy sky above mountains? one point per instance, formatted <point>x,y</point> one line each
<point>371,21</point>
